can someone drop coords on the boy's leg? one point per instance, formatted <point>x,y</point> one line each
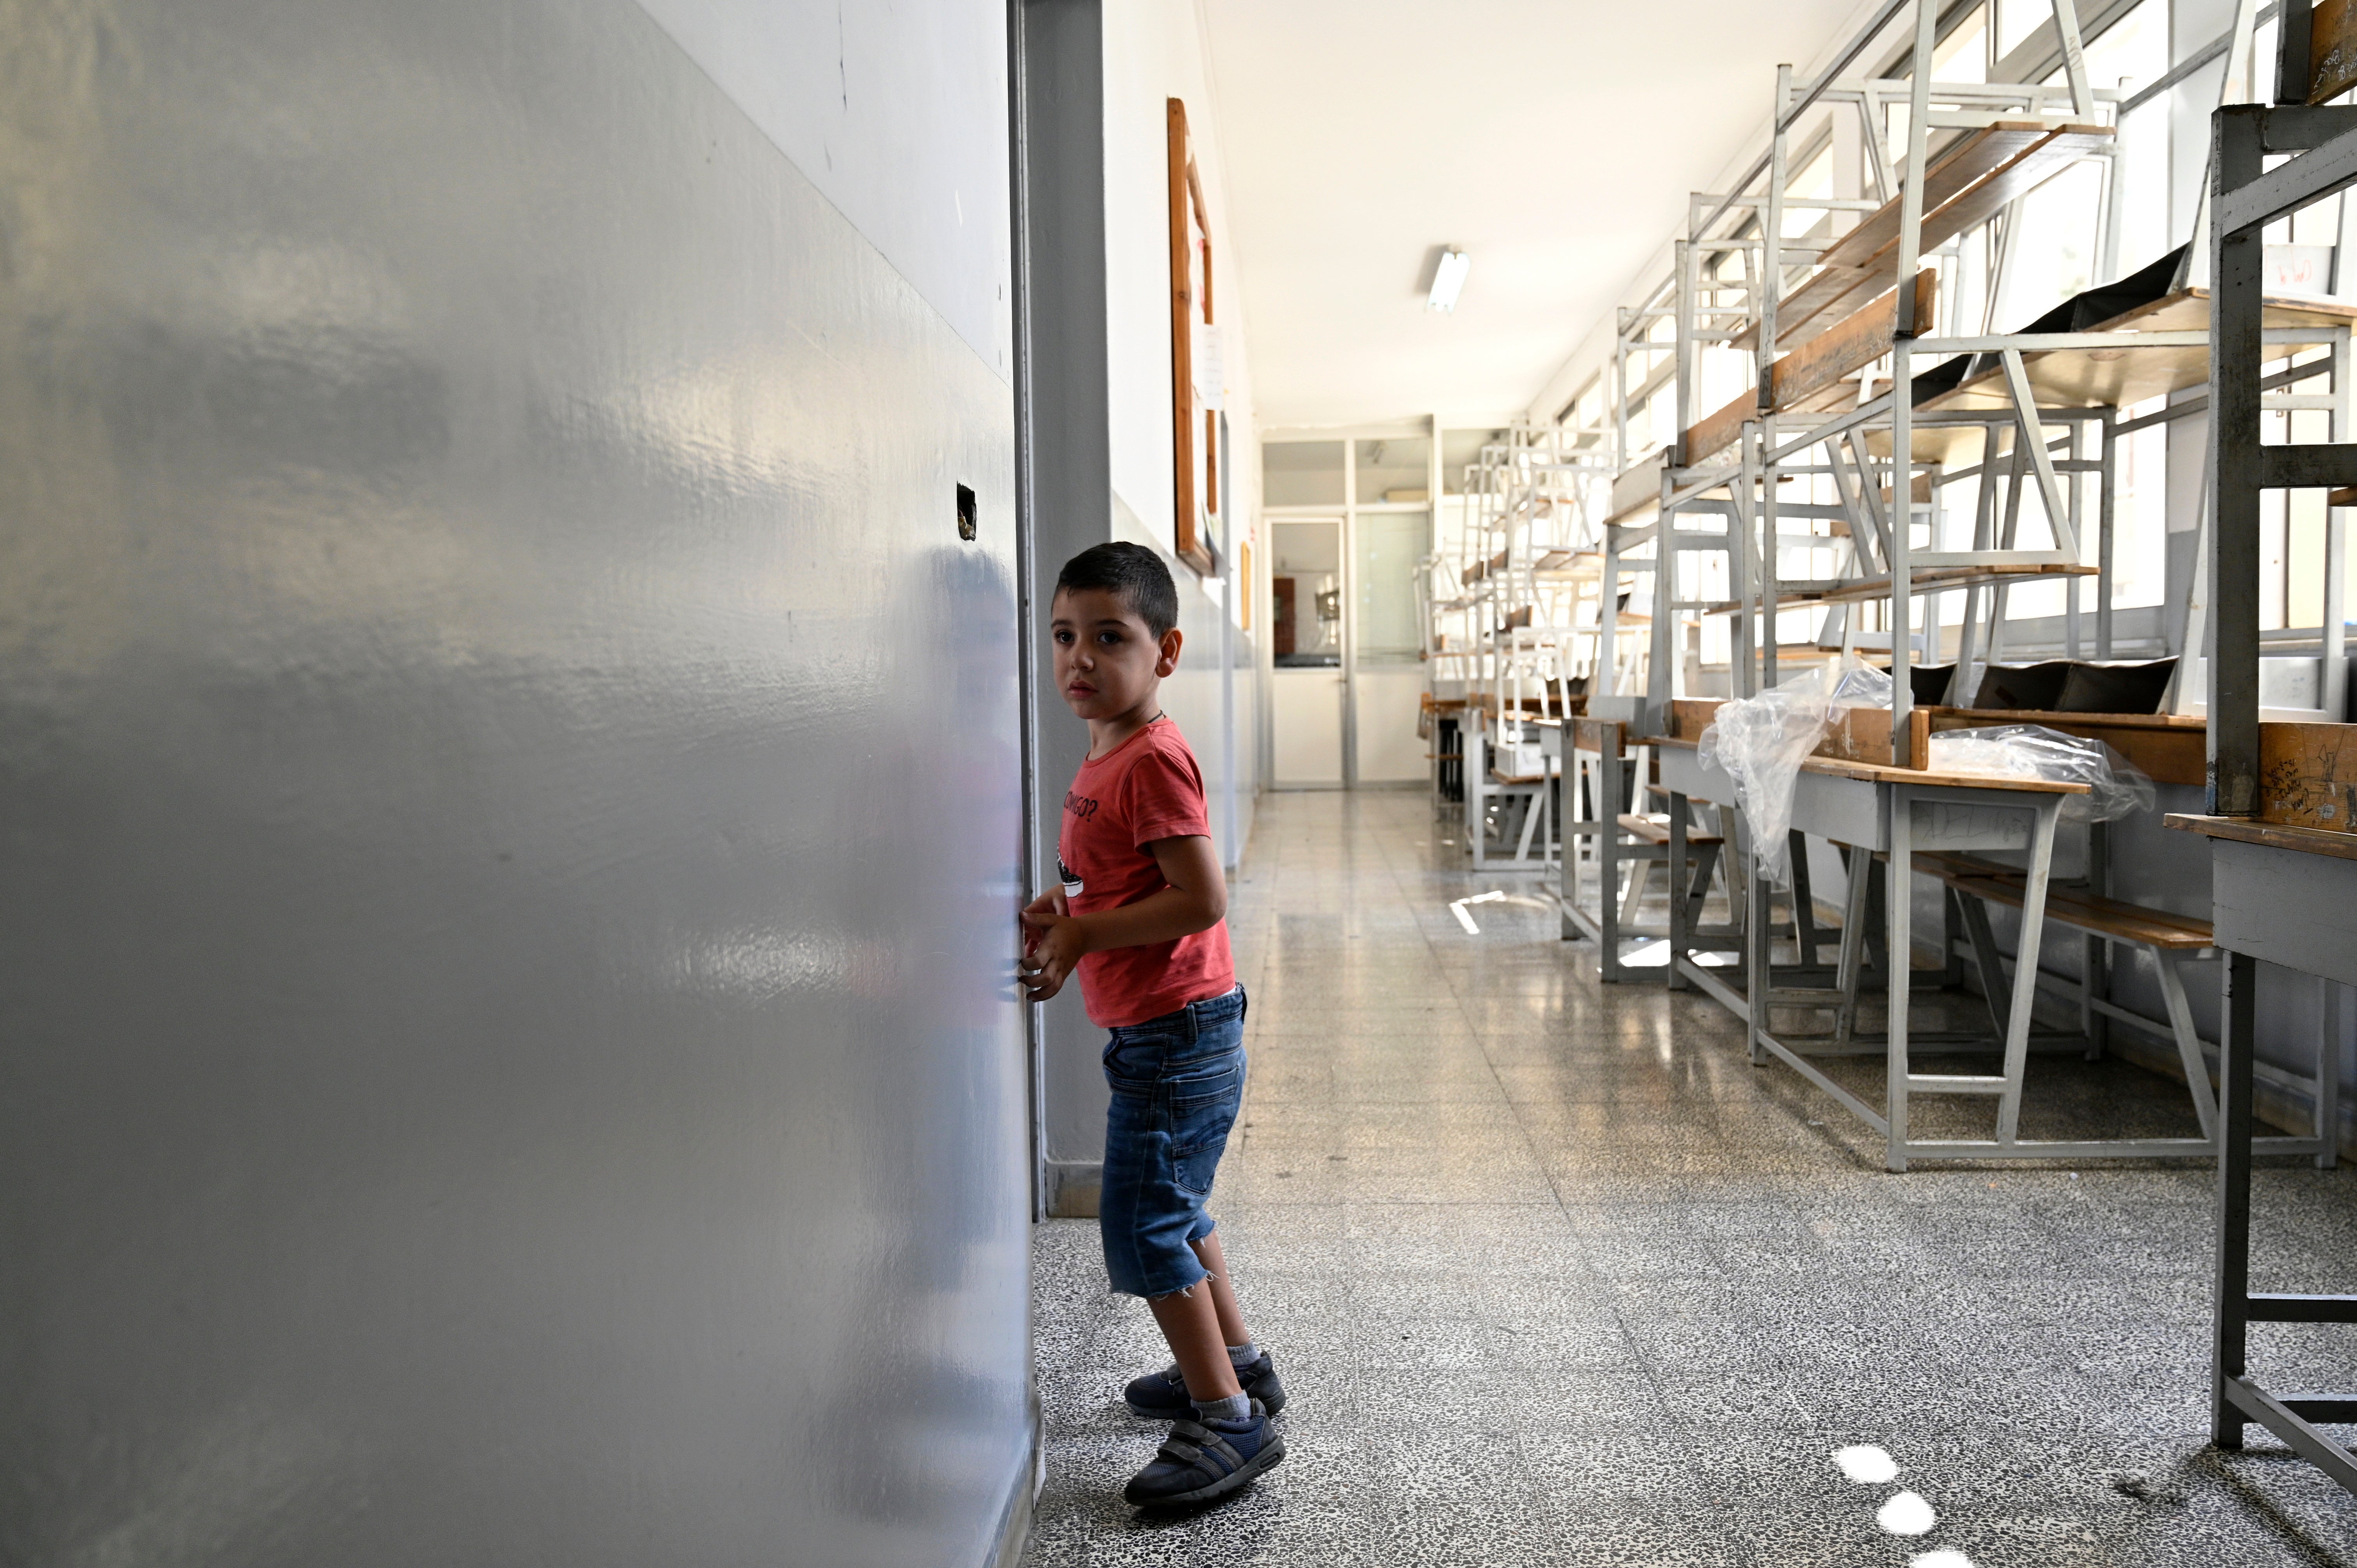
<point>1189,1320</point>
<point>1223,1291</point>
<point>1229,1439</point>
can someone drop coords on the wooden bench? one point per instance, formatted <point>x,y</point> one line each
<point>1526,799</point>
<point>1810,379</point>
<point>2072,907</point>
<point>2168,938</point>
<point>1842,318</point>
<point>1966,185</point>
<point>1599,768</point>
<point>1653,831</point>
<point>1723,847</point>
<point>2094,377</point>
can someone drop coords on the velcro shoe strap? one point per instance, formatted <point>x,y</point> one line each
<point>1178,1448</point>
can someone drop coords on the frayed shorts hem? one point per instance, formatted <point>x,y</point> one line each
<point>1152,1296</point>
<point>1144,1289</point>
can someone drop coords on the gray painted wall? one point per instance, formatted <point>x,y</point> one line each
<point>898,113</point>
<point>1062,49</point>
<point>511,814</point>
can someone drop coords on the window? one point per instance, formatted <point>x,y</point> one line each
<point>1387,546</point>
<point>1395,469</point>
<point>1459,450</point>
<point>1301,473</point>
<point>1305,593</point>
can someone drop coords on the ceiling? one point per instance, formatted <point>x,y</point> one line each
<point>1555,140</point>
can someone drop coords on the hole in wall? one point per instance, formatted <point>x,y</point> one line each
<point>966,514</point>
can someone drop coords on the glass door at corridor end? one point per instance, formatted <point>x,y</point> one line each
<point>1348,522</point>
<point>1307,683</point>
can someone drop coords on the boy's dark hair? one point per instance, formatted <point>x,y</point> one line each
<point>1132,571</point>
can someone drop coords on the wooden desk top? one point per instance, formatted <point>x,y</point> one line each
<point>2275,835</point>
<point>1979,716</point>
<point>1608,736</point>
<point>1883,773</point>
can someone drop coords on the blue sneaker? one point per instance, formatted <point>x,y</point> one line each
<point>1162,1396</point>
<point>1205,1459</point>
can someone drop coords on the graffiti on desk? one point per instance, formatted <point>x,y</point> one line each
<point>1965,824</point>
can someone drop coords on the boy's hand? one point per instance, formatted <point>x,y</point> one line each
<point>1054,940</point>
<point>1195,898</point>
<point>1051,902</point>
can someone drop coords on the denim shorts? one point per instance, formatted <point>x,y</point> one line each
<point>1177,1081</point>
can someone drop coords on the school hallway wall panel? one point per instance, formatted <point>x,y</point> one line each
<point>513,815</point>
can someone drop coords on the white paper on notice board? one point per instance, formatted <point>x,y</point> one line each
<point>1210,369</point>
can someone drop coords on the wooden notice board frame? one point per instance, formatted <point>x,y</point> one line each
<point>1195,444</point>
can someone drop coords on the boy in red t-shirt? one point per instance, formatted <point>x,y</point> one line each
<point>1139,916</point>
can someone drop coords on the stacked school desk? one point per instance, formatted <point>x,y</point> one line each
<point>2283,857</point>
<point>1893,823</point>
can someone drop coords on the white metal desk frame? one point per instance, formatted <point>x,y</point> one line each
<point>1480,788</point>
<point>1607,775</point>
<point>2175,1029</point>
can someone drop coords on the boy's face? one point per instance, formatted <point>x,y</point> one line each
<point>1107,660</point>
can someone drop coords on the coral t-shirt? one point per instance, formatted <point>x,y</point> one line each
<point>1147,787</point>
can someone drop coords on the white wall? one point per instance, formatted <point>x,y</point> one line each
<point>1390,698</point>
<point>1154,51</point>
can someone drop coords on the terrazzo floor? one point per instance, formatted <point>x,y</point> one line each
<point>1555,1276</point>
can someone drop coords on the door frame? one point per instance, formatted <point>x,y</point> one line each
<point>1265,572</point>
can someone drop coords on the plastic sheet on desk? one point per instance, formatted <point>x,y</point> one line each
<point>1760,741</point>
<point>2116,787</point>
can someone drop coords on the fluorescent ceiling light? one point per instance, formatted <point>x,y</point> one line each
<point>1448,278</point>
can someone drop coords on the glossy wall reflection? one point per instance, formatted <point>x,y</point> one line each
<point>509,811</point>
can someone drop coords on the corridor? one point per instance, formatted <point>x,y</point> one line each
<point>1553,1275</point>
